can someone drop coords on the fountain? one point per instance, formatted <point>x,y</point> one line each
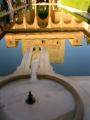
<point>51,101</point>
<point>30,99</point>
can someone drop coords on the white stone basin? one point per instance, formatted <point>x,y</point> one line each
<point>52,100</point>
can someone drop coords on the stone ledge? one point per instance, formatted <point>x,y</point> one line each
<point>5,80</point>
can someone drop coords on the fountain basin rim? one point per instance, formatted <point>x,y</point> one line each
<point>79,107</point>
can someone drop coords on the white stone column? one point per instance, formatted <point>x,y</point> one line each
<point>26,62</point>
<point>24,21</point>
<point>44,63</point>
<point>49,19</point>
<point>72,21</point>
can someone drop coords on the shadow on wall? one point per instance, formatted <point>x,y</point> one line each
<point>88,13</point>
<point>88,10</point>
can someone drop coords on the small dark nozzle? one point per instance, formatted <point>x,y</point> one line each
<point>30,99</point>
